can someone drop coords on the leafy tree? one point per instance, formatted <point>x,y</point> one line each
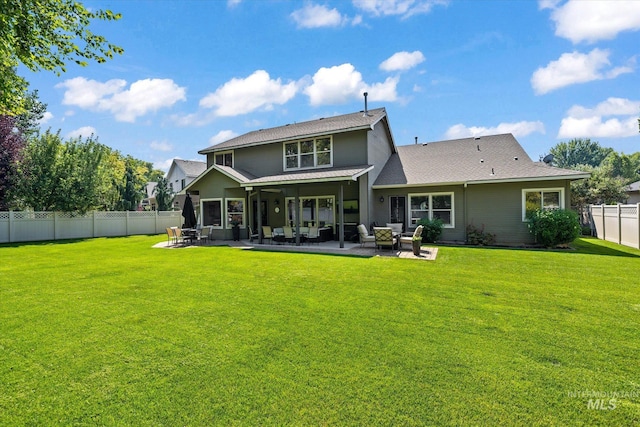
<point>58,176</point>
<point>164,197</point>
<point>132,191</point>
<point>46,35</point>
<point>12,144</point>
<point>29,121</point>
<point>578,152</point>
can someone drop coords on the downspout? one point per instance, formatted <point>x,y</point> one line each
<point>464,200</point>
<point>341,214</point>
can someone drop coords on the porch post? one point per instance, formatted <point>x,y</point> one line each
<point>296,202</point>
<point>259,219</point>
<point>341,214</point>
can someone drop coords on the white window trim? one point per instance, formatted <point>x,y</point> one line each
<point>202,201</point>
<point>542,190</point>
<point>430,195</point>
<point>315,154</point>
<point>233,157</point>
<point>299,210</point>
<point>244,211</point>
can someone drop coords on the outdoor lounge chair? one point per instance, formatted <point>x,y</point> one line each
<point>204,234</point>
<point>253,235</point>
<point>313,236</point>
<point>384,237</point>
<point>364,235</point>
<point>288,235</point>
<point>267,233</point>
<point>409,239</point>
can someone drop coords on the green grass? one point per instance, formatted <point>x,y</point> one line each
<point>114,332</point>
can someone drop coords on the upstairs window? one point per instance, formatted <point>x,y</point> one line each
<point>308,153</point>
<point>224,159</point>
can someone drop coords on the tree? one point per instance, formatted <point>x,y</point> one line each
<point>132,192</point>
<point>29,121</point>
<point>164,197</point>
<point>579,152</point>
<point>46,35</point>
<point>12,144</point>
<point>58,176</point>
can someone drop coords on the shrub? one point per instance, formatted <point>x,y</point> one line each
<point>432,229</point>
<point>554,227</point>
<point>477,236</point>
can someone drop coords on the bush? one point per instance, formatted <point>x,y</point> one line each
<point>554,227</point>
<point>477,236</point>
<point>432,229</point>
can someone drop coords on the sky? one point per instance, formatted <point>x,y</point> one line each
<point>195,73</point>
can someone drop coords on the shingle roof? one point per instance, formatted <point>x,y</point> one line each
<point>191,168</point>
<point>634,186</point>
<point>486,159</point>
<point>323,126</point>
<point>315,175</point>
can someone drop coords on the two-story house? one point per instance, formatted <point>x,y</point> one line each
<point>337,172</point>
<point>182,173</point>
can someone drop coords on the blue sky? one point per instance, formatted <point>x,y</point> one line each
<point>195,73</point>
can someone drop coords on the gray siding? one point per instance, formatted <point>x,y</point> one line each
<point>498,207</point>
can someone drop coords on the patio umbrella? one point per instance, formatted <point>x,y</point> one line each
<point>188,213</point>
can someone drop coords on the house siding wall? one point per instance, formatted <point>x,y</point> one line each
<point>498,207</point>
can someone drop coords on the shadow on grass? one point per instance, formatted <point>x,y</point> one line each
<point>594,246</point>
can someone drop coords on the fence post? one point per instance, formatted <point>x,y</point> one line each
<point>619,213</point>
<point>55,225</point>
<point>638,221</point>
<point>10,225</point>
<point>126,226</point>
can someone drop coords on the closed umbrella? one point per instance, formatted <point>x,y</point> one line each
<point>189,213</point>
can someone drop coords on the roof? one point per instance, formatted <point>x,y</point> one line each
<point>322,126</point>
<point>245,179</point>
<point>487,159</point>
<point>634,186</point>
<point>191,168</point>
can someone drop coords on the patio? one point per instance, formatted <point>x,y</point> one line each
<point>331,247</point>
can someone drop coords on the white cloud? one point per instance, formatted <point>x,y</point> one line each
<point>45,118</point>
<point>242,96</point>
<point>518,129</point>
<point>222,136</point>
<point>590,21</point>
<point>594,122</point>
<point>405,8</point>
<point>85,132</point>
<point>401,61</point>
<point>161,146</point>
<point>317,16</point>
<point>163,165</point>
<point>142,97</point>
<point>233,3</point>
<point>342,83</point>
<point>573,68</point>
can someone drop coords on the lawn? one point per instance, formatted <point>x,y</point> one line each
<point>115,332</point>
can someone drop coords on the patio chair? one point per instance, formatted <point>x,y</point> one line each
<point>253,235</point>
<point>409,239</point>
<point>288,235</point>
<point>267,233</point>
<point>204,234</point>
<point>364,235</point>
<point>313,236</point>
<point>396,227</point>
<point>384,237</point>
<point>171,237</point>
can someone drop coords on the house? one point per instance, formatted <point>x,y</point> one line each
<point>149,202</point>
<point>182,173</point>
<point>338,172</point>
<point>633,192</point>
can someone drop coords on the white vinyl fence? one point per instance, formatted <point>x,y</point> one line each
<point>617,223</point>
<point>38,226</point>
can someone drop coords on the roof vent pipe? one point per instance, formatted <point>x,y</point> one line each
<point>416,140</point>
<point>366,110</point>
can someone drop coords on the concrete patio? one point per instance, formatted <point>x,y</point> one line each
<point>329,247</point>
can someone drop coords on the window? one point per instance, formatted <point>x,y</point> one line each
<point>313,211</point>
<point>435,205</point>
<point>212,212</point>
<point>309,153</point>
<point>183,183</point>
<point>235,212</point>
<point>541,198</point>
<point>224,159</point>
